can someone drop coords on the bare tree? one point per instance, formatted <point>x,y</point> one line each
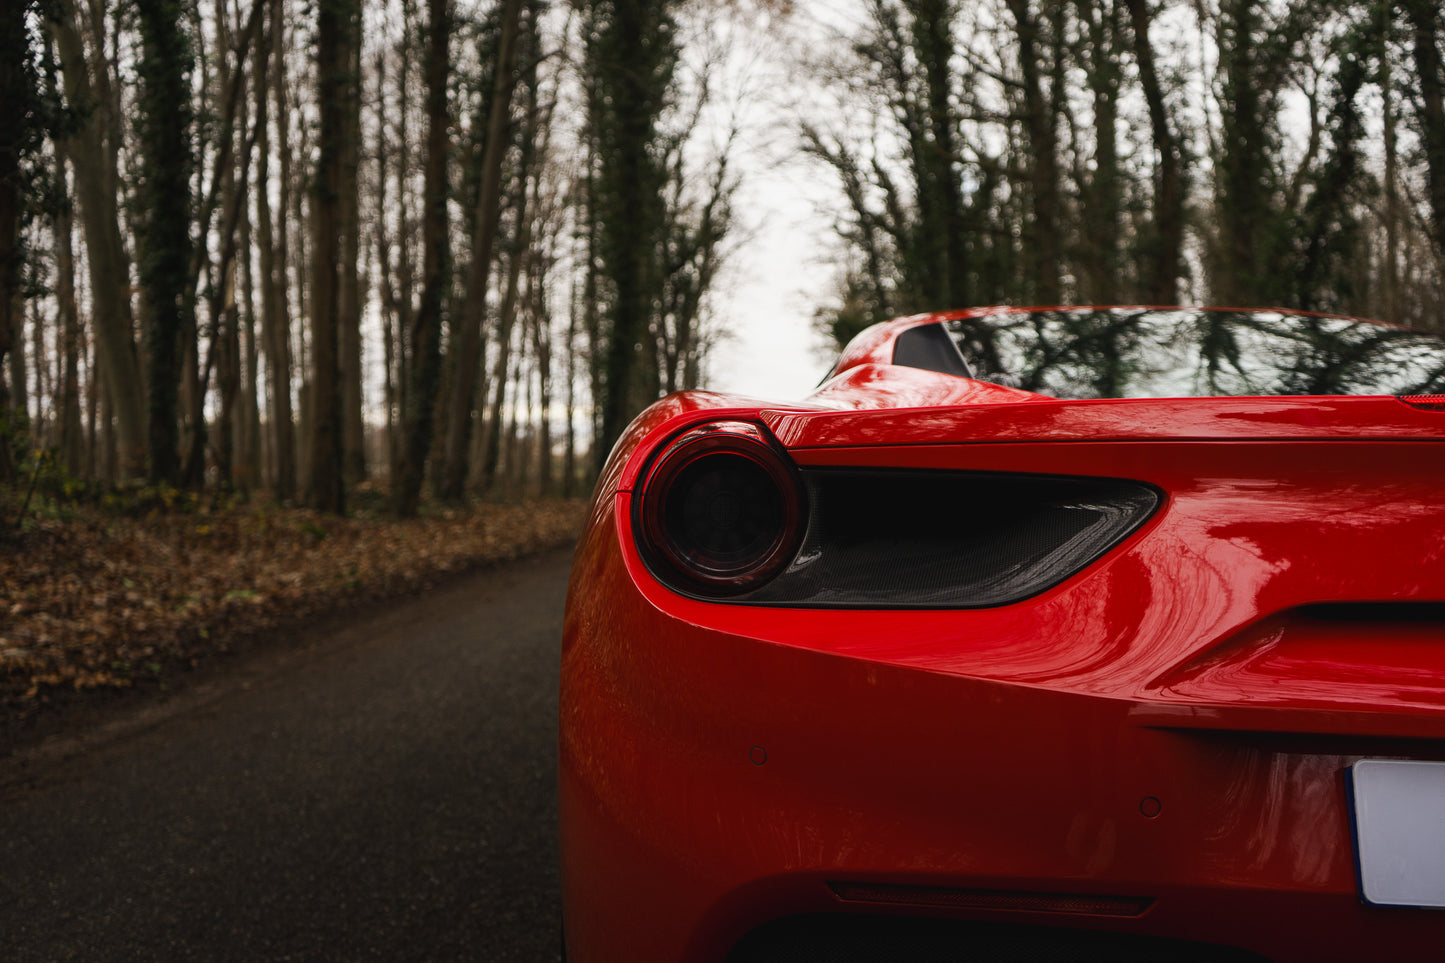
<point>1424,20</point>
<point>17,95</point>
<point>467,327</point>
<point>1037,42</point>
<point>631,57</point>
<point>71,440</point>
<point>1163,245</point>
<point>165,146</point>
<point>328,489</point>
<point>94,159</point>
<point>348,279</point>
<point>423,361</point>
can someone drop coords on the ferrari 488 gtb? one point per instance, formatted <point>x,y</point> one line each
<point>1046,634</point>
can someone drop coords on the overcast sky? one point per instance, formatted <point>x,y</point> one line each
<point>781,267</point>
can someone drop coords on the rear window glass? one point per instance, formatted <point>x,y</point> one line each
<point>1134,353</point>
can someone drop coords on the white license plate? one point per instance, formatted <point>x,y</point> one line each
<point>1399,820</point>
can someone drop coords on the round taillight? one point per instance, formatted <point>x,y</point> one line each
<point>720,511</point>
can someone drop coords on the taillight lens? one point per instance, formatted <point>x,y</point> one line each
<point>1424,402</point>
<point>721,511</point>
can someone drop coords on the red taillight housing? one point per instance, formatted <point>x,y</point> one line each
<point>720,511</point>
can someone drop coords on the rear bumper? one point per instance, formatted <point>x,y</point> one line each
<point>712,781</point>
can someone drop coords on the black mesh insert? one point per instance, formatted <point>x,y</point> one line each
<point>847,938</point>
<point>892,539</point>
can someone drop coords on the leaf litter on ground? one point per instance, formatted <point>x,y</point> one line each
<point>100,602</point>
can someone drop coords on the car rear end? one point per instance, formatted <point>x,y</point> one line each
<point>1114,679</point>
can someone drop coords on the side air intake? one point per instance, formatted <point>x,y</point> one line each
<point>882,539</point>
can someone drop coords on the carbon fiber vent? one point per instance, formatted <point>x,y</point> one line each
<point>881,539</point>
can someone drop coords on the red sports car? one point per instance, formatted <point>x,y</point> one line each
<point>1031,634</point>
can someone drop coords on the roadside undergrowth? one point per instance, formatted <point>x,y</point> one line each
<point>98,601</point>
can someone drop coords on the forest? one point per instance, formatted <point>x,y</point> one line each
<point>444,251</point>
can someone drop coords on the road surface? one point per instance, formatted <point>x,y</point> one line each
<point>387,794</point>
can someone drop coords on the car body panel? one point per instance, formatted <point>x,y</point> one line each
<point>1171,724</point>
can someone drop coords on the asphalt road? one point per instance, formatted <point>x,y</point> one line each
<point>389,793</point>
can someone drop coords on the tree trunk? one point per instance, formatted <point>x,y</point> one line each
<point>70,334</point>
<point>16,413</point>
<point>1041,137</point>
<point>327,491</point>
<point>391,309</point>
<point>1390,122</point>
<point>423,361</point>
<point>16,96</point>
<point>468,326</point>
<point>300,186</point>
<point>633,57</point>
<point>109,265</point>
<point>349,301</point>
<point>228,381</point>
<point>94,389</point>
<point>506,318</point>
<point>1102,193</point>
<point>71,439</point>
<point>165,148</point>
<point>943,263</point>
<point>518,257</point>
<point>1424,18</point>
<point>228,182</point>
<point>248,415</point>
<point>1253,246</point>
<point>569,441</point>
<point>542,350</point>
<point>405,299</point>
<point>272,248</point>
<point>1163,262</point>
<point>1244,205</point>
<point>40,432</point>
<point>511,462</point>
<point>109,455</point>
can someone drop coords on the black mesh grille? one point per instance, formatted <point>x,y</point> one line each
<point>846,938</point>
<point>880,539</point>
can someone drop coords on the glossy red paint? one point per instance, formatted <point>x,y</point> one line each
<point>872,385</point>
<point>1170,725</point>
